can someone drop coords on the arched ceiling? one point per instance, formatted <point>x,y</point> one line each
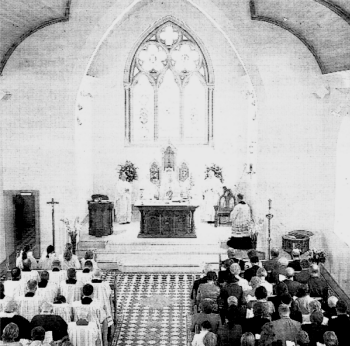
<point>322,25</point>
<point>21,18</point>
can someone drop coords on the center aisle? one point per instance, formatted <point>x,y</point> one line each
<point>154,308</point>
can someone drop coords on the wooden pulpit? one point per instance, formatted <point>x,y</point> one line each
<point>100,218</point>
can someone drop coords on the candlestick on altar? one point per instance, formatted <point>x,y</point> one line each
<point>269,217</point>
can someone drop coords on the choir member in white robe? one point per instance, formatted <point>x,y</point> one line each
<point>3,298</point>
<point>103,292</point>
<point>62,308</point>
<point>28,274</point>
<point>15,287</point>
<point>56,274</point>
<point>169,187</point>
<point>29,304</point>
<point>85,276</point>
<point>47,257</point>
<point>89,256</point>
<point>83,332</point>
<point>24,254</point>
<point>71,288</point>
<point>123,200</point>
<point>47,290</point>
<point>69,261</point>
<point>212,191</point>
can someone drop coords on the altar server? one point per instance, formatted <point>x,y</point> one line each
<point>123,200</point>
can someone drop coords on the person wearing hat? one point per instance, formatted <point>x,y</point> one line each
<point>50,322</point>
<point>295,264</point>
<point>315,329</point>
<point>10,315</point>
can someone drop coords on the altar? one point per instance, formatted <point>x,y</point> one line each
<point>166,219</point>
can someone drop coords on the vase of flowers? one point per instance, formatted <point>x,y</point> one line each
<point>130,171</point>
<point>217,172</point>
<point>72,231</point>
<point>317,256</point>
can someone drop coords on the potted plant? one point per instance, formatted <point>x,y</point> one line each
<point>72,231</point>
<point>217,172</point>
<point>317,256</point>
<point>130,171</point>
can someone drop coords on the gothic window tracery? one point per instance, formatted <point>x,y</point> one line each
<point>169,91</point>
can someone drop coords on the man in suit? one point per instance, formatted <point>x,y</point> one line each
<point>295,264</point>
<point>292,285</point>
<point>284,329</point>
<point>249,273</point>
<point>269,265</point>
<point>341,324</point>
<point>304,275</point>
<point>317,285</point>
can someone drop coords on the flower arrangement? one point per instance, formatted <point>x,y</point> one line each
<point>130,171</point>
<point>317,256</point>
<point>72,231</point>
<point>217,172</point>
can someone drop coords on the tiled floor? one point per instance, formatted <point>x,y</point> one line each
<point>153,308</point>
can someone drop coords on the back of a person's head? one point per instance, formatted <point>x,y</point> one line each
<point>255,281</point>
<point>283,261</point>
<point>296,253</point>
<point>89,255</point>
<point>32,285</point>
<point>38,333</point>
<point>261,272</point>
<point>60,299</point>
<point>97,273</point>
<point>281,288</point>
<point>254,260</point>
<point>206,325</point>
<point>303,338</point>
<point>283,310</point>
<point>50,249</point>
<point>316,317</point>
<point>27,264</point>
<point>289,272</point>
<point>46,308</point>
<point>210,339</point>
<point>211,276</point>
<point>314,305</point>
<point>206,307</point>
<point>10,332</point>
<point>232,300</point>
<point>252,253</point>
<point>247,339</point>
<point>286,298</point>
<point>69,246</point>
<point>56,264</point>
<point>275,252</point>
<point>88,290</point>
<point>330,339</point>
<point>15,273</point>
<point>304,263</point>
<point>88,264</point>
<point>341,307</point>
<point>332,301</point>
<point>261,292</point>
<point>231,252</point>
<point>301,292</point>
<point>71,273</point>
<point>44,275</point>
<point>67,255</point>
<point>235,269</point>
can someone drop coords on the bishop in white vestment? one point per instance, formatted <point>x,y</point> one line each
<point>212,190</point>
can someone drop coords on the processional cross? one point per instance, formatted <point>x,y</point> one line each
<point>53,202</point>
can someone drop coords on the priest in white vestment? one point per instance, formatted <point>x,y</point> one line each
<point>123,200</point>
<point>169,187</point>
<point>211,191</point>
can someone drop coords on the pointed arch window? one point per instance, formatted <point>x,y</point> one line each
<point>169,89</point>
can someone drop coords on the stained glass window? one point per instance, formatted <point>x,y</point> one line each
<point>170,90</point>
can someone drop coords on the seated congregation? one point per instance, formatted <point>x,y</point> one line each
<point>272,302</point>
<point>58,300</point>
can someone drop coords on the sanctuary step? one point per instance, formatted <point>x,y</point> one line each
<point>124,251</point>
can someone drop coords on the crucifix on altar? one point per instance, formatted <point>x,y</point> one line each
<point>53,202</point>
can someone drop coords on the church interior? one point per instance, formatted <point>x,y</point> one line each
<point>255,91</point>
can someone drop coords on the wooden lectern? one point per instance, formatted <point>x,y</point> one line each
<point>100,218</point>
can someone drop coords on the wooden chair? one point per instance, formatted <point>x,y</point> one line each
<point>224,208</point>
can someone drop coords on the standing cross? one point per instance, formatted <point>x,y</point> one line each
<point>53,219</point>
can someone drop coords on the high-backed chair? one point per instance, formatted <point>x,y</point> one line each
<point>224,208</point>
